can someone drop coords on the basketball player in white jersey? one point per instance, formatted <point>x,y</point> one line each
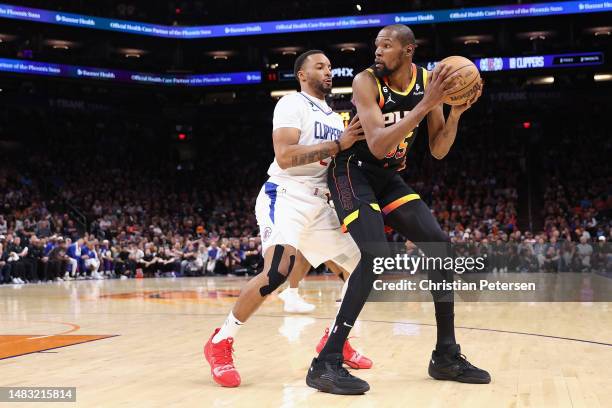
<point>298,226</point>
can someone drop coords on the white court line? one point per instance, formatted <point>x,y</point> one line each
<point>40,337</point>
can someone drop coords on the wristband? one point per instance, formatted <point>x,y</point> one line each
<point>337,142</point>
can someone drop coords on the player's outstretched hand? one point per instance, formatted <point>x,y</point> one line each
<point>351,134</point>
<point>440,84</point>
<point>459,109</point>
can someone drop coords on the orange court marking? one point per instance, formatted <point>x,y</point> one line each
<point>13,345</point>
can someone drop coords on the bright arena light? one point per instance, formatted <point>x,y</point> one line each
<point>602,77</point>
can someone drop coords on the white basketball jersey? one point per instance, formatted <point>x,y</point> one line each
<point>317,124</point>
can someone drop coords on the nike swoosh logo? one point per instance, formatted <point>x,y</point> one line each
<point>347,325</point>
<point>218,371</point>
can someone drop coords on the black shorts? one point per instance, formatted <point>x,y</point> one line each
<point>354,183</point>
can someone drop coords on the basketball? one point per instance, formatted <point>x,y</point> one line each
<point>468,77</point>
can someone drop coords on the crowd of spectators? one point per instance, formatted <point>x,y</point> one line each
<point>111,198</point>
<point>473,194</point>
<point>126,196</point>
<point>32,259</point>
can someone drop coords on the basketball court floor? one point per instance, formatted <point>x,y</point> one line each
<point>138,343</point>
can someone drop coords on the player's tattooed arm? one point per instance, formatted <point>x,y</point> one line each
<point>323,152</point>
<point>289,153</point>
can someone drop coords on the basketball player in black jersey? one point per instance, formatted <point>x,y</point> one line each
<point>392,98</point>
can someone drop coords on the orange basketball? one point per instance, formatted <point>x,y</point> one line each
<point>468,78</point>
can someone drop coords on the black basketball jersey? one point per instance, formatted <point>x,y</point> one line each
<point>394,105</point>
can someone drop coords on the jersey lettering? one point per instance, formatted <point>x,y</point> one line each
<point>392,118</point>
<point>394,107</point>
<point>325,132</point>
<point>401,149</point>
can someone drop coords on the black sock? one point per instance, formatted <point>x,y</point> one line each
<point>337,336</point>
<point>445,322</point>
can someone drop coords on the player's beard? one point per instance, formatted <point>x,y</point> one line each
<point>325,90</point>
<point>383,72</point>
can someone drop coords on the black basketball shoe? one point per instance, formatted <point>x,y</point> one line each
<point>452,365</point>
<point>328,375</point>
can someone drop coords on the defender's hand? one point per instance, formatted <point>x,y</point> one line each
<point>351,134</point>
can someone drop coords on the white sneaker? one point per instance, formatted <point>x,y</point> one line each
<point>97,276</point>
<point>123,277</point>
<point>15,281</point>
<point>294,302</point>
<point>58,279</point>
<point>19,280</point>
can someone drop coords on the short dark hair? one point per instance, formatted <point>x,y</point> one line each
<point>299,61</point>
<point>404,33</point>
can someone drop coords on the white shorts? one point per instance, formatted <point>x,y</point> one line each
<point>292,213</point>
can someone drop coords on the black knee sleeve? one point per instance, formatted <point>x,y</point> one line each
<point>275,278</point>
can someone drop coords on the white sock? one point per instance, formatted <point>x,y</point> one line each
<point>229,329</point>
<point>293,291</point>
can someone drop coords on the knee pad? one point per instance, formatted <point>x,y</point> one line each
<point>275,278</point>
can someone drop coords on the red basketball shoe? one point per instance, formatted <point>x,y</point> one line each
<point>351,357</point>
<point>219,356</point>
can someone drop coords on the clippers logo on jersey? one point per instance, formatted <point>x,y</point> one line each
<point>325,132</point>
